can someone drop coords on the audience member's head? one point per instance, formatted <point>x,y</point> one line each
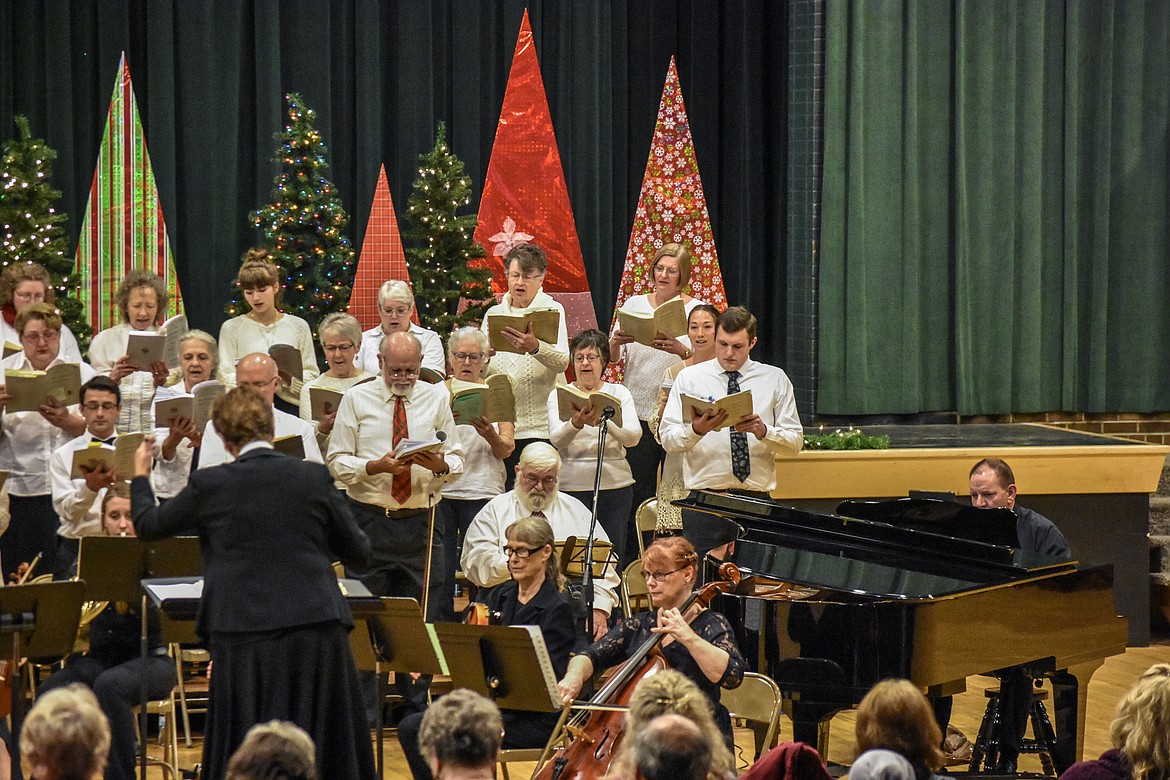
<point>881,765</point>
<point>461,731</point>
<point>896,716</point>
<point>670,747</point>
<point>276,750</point>
<point>66,735</point>
<point>1141,728</point>
<point>670,692</point>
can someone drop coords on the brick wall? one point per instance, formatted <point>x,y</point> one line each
<point>1153,428</point>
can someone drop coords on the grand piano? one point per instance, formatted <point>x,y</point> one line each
<point>927,590</point>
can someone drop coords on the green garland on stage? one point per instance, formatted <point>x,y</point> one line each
<point>852,439</point>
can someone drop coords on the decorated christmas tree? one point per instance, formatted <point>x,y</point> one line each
<point>304,225</point>
<point>31,228</point>
<point>443,247</point>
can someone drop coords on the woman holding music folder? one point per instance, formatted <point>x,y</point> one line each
<point>485,446</point>
<point>276,623</point>
<point>533,597</point>
<point>141,298</point>
<point>573,429</point>
<point>340,336</point>
<point>670,273</point>
<point>113,666</point>
<point>534,365</point>
<point>175,443</point>
<point>29,439</point>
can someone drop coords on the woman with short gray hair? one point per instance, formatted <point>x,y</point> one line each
<point>395,308</point>
<point>340,336</point>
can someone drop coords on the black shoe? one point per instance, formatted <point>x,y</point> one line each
<point>1006,766</point>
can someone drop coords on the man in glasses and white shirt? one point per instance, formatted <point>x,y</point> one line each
<point>484,560</point>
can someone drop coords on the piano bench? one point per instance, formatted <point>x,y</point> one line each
<point>986,749</point>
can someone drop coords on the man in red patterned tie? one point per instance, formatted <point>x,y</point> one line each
<point>389,495</point>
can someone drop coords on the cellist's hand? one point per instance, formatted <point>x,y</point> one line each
<point>672,624</point>
<point>568,689</point>
<point>580,669</point>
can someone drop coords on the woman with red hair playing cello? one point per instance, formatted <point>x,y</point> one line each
<point>696,642</point>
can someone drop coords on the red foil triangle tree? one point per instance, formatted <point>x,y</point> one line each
<point>525,194</point>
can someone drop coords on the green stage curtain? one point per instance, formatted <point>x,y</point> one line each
<point>210,76</point>
<point>995,207</point>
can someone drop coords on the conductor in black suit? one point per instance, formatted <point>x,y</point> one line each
<point>269,527</point>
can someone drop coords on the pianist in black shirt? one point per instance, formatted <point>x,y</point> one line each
<point>993,486</point>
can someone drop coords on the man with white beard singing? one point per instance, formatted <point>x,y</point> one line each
<point>535,494</point>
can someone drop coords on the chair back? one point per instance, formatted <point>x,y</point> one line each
<point>635,595</point>
<point>646,521</point>
<point>757,700</point>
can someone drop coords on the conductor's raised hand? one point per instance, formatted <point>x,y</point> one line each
<point>708,421</point>
<point>144,457</point>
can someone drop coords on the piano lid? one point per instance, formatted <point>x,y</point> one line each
<point>868,557</point>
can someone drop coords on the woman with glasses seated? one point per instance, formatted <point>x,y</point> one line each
<point>536,365</point>
<point>576,439</point>
<point>263,327</point>
<point>485,445</point>
<point>698,643</point>
<point>533,597</point>
<point>340,336</point>
<point>395,307</point>
<point>29,439</point>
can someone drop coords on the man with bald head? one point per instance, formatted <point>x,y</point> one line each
<point>389,496</point>
<point>671,747</point>
<point>258,371</point>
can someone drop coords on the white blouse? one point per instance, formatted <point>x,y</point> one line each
<point>578,448</point>
<point>243,335</point>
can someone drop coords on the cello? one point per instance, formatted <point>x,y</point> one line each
<point>598,730</point>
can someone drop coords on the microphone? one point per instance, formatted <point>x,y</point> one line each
<point>608,413</point>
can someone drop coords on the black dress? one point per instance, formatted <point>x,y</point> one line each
<point>270,527</point>
<point>616,646</point>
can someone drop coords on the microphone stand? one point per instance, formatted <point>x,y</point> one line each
<point>587,578</point>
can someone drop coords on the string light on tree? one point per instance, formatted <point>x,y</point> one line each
<point>305,224</point>
<point>443,251</point>
<point>33,230</point>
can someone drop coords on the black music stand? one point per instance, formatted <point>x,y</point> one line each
<point>396,640</point>
<point>42,621</point>
<point>508,664</point>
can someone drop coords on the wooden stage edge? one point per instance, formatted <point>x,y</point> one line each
<point>1129,467</point>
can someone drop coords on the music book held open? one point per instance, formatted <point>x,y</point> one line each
<point>669,318</point>
<point>494,400</point>
<point>320,396</point>
<point>119,457</point>
<point>30,389</point>
<point>545,324</point>
<point>738,406</point>
<point>293,446</point>
<point>411,446</point>
<point>570,400</point>
<point>288,360</point>
<point>195,405</point>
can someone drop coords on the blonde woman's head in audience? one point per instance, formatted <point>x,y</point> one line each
<point>1141,728</point>
<point>669,692</point>
<point>276,750</point>
<point>66,735</point>
<point>896,716</point>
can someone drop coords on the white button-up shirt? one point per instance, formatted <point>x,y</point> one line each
<point>707,459</point>
<point>79,508</point>
<point>364,430</point>
<point>212,452</point>
<point>27,440</point>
